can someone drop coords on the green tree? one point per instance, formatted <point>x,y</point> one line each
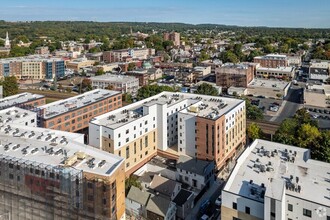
<point>287,131</point>
<point>151,90</point>
<point>99,72</point>
<point>132,181</point>
<point>131,66</point>
<point>307,136</point>
<point>254,131</point>
<point>252,111</point>
<point>10,86</point>
<point>127,98</point>
<point>206,89</point>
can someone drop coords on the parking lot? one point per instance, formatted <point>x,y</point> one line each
<point>265,104</point>
<point>322,115</point>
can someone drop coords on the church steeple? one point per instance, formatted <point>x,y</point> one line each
<point>7,42</point>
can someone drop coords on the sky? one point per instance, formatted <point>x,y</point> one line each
<point>271,13</point>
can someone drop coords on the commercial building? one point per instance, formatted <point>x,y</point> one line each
<point>41,50</point>
<point>121,55</point>
<point>319,69</point>
<point>47,174</point>
<point>272,60</point>
<point>173,36</point>
<point>73,114</point>
<point>142,76</point>
<point>206,127</point>
<point>238,75</point>
<point>274,181</point>
<point>25,100</point>
<point>279,72</point>
<point>122,83</point>
<point>77,64</point>
<point>268,88</point>
<point>33,67</point>
<point>294,60</point>
<point>317,95</point>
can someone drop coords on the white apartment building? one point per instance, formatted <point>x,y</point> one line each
<point>319,69</point>
<point>166,120</point>
<point>274,181</point>
<point>122,83</point>
<point>19,116</point>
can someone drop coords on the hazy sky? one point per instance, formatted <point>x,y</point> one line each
<point>274,13</point>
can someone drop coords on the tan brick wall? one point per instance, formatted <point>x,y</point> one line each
<point>228,214</point>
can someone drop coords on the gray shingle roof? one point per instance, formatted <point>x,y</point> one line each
<point>138,196</point>
<point>158,205</point>
<point>192,165</point>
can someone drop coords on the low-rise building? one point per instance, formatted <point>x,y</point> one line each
<point>121,55</point>
<point>184,202</point>
<point>18,116</point>
<point>160,208</point>
<point>73,114</point>
<point>49,175</point>
<point>196,173</point>
<point>77,64</point>
<point>317,95</point>
<point>41,50</point>
<point>238,75</point>
<point>272,60</point>
<point>142,75</point>
<point>273,181</point>
<point>122,83</point>
<point>319,69</point>
<point>136,202</point>
<point>278,73</point>
<point>165,187</point>
<point>294,60</point>
<point>268,88</point>
<point>24,100</point>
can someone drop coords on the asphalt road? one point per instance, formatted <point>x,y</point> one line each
<point>291,104</point>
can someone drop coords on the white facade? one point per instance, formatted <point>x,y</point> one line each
<point>18,116</point>
<point>273,181</point>
<point>125,84</point>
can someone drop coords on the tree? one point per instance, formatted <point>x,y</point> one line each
<point>287,131</point>
<point>131,66</point>
<point>10,86</point>
<point>86,85</point>
<point>307,136</point>
<point>151,90</point>
<point>127,98</point>
<point>206,89</point>
<point>254,131</point>
<point>252,111</point>
<point>110,87</point>
<point>132,181</point>
<point>99,72</point>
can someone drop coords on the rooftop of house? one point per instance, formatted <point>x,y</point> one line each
<point>269,84</point>
<point>18,99</point>
<point>63,106</point>
<point>270,169</point>
<point>182,197</point>
<point>12,114</point>
<point>115,78</point>
<point>193,165</point>
<point>138,196</point>
<point>211,107</point>
<point>158,205</point>
<point>163,185</point>
<point>272,56</point>
<point>54,148</point>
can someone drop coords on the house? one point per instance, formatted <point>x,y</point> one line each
<point>155,73</point>
<point>184,202</point>
<point>165,187</point>
<point>196,173</point>
<point>146,179</point>
<point>160,208</point>
<point>136,202</point>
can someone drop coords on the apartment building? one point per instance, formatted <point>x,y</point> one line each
<point>274,181</point>
<point>122,83</point>
<point>272,60</point>
<point>206,127</point>
<point>121,55</point>
<point>77,64</point>
<point>237,75</point>
<point>33,67</point>
<point>73,114</point>
<point>18,116</point>
<point>279,72</point>
<point>47,174</point>
<point>26,100</point>
<point>41,50</point>
<point>173,36</point>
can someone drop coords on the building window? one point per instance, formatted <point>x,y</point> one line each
<point>235,205</point>
<point>247,210</point>
<point>307,212</point>
<point>290,207</point>
<point>127,152</point>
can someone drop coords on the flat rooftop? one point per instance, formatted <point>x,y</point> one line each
<point>272,56</point>
<point>279,69</point>
<point>267,83</point>
<point>235,66</point>
<point>55,148</point>
<point>18,99</point>
<point>32,58</point>
<point>63,106</point>
<point>114,78</point>
<point>11,114</point>
<point>211,107</point>
<point>268,168</point>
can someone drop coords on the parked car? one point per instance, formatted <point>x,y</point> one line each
<point>218,201</point>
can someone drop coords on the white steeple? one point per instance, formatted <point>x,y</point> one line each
<point>7,42</point>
